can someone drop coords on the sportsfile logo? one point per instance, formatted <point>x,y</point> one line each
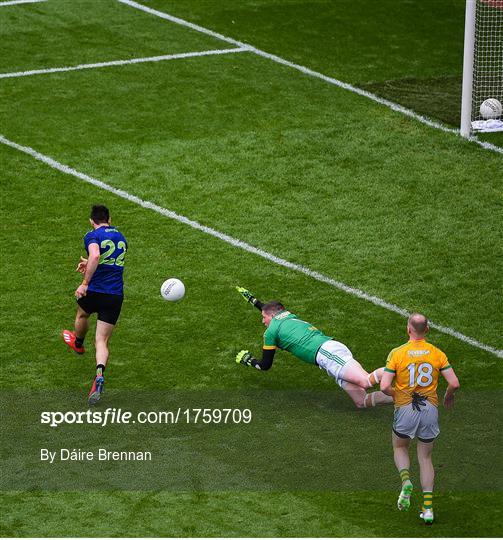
<point>108,416</point>
<point>119,416</point>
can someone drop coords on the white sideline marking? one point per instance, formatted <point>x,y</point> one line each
<point>119,62</point>
<point>13,2</point>
<point>240,244</point>
<point>394,106</point>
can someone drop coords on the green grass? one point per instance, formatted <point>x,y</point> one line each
<point>362,199</point>
<point>57,33</point>
<point>436,97</point>
<point>326,514</point>
<point>409,52</point>
<point>292,165</point>
<point>357,42</point>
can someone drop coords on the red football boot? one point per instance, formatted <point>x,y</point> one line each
<point>69,339</point>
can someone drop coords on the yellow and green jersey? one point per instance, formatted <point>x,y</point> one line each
<point>417,366</point>
<point>286,331</point>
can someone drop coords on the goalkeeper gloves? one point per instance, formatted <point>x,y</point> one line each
<point>244,357</point>
<point>246,294</point>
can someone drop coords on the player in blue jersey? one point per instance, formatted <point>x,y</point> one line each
<point>101,291</point>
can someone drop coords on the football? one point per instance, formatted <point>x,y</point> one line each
<point>172,290</point>
<point>490,108</point>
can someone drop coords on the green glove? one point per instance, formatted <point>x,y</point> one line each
<point>246,294</point>
<point>244,357</point>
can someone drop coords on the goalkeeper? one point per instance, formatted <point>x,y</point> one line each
<point>286,331</point>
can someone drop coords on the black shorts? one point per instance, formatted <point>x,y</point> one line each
<point>107,306</point>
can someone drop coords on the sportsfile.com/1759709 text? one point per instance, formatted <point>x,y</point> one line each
<point>120,416</point>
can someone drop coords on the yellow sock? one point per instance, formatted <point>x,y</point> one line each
<point>404,475</point>
<point>427,500</point>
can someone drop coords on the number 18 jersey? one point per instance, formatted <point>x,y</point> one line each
<point>108,277</point>
<point>417,366</point>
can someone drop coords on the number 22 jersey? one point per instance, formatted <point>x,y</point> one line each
<point>108,277</point>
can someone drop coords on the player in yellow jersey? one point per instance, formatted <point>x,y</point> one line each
<point>416,367</point>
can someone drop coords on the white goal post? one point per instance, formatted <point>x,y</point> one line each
<point>482,64</point>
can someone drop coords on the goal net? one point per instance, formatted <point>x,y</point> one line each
<point>484,58</point>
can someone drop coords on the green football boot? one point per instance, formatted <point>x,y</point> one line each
<point>403,502</point>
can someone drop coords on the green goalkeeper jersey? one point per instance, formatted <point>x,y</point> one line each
<point>286,331</point>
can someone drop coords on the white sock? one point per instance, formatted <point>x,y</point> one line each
<point>376,377</point>
<point>372,397</point>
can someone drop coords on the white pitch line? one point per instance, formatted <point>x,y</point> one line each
<point>242,245</point>
<point>307,71</point>
<point>13,2</point>
<point>119,62</point>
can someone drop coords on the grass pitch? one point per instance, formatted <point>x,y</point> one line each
<point>290,164</point>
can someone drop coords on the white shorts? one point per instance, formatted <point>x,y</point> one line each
<point>334,357</point>
<point>409,422</point>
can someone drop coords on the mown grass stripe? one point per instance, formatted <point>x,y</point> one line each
<point>243,245</point>
<point>307,71</point>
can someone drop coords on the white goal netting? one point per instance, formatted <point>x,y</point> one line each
<point>488,56</point>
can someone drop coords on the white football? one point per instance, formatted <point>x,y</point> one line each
<point>491,108</point>
<point>172,290</point>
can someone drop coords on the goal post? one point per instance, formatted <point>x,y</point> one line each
<point>482,64</point>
